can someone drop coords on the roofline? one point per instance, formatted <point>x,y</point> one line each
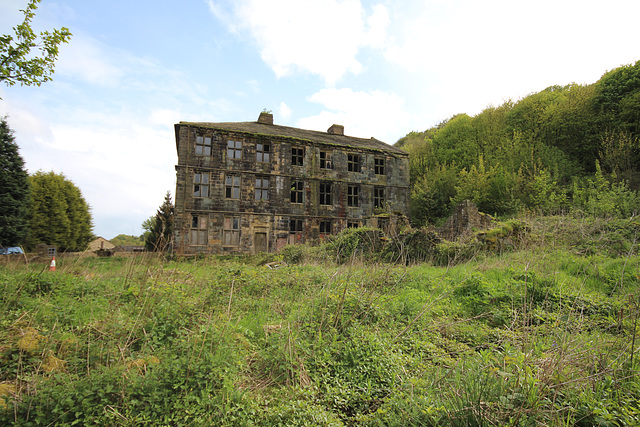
<point>314,137</point>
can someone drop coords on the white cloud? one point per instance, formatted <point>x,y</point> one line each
<point>321,38</point>
<point>471,54</point>
<point>86,59</point>
<point>284,111</point>
<point>375,113</point>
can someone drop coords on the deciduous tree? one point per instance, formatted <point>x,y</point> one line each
<point>18,64</point>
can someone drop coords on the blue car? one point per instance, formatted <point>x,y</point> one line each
<point>11,250</point>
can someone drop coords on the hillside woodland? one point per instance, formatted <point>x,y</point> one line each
<point>566,148</point>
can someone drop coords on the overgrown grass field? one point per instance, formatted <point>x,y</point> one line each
<point>543,333</point>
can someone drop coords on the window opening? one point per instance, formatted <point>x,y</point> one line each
<point>203,145</point>
<point>325,160</point>
<point>378,197</point>
<point>297,156</point>
<point>325,227</point>
<point>297,192</point>
<point>262,188</point>
<point>199,230</point>
<point>325,193</point>
<point>231,231</point>
<point>353,162</point>
<point>234,150</point>
<point>263,153</point>
<point>232,187</point>
<point>200,185</point>
<point>353,193</point>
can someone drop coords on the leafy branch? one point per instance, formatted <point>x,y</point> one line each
<point>18,64</point>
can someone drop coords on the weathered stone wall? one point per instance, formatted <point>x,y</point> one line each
<point>271,217</point>
<point>465,219</point>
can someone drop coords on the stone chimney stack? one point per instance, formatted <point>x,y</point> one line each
<point>336,130</point>
<point>265,118</point>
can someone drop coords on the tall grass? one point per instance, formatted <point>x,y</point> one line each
<point>542,334</point>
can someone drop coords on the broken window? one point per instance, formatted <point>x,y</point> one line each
<point>295,225</point>
<point>325,193</point>
<point>295,231</point>
<point>263,153</point>
<point>297,192</point>
<point>232,187</point>
<point>325,160</point>
<point>198,230</point>
<point>297,156</point>
<point>378,166</point>
<point>234,150</point>
<point>262,188</point>
<point>203,145</point>
<point>378,197</point>
<point>353,162</point>
<point>231,231</point>
<point>200,185</point>
<point>353,193</point>
<point>325,227</point>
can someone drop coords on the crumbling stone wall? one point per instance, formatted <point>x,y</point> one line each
<point>464,221</point>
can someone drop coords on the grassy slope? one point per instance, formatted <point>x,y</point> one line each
<point>542,335</point>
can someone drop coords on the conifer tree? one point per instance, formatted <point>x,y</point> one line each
<point>159,236</point>
<point>59,215</point>
<point>14,190</point>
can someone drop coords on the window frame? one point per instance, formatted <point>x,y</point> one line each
<point>263,152</point>
<point>378,197</point>
<point>325,160</point>
<point>231,231</point>
<point>354,162</point>
<point>199,231</point>
<point>353,224</point>
<point>201,185</point>
<point>353,196</point>
<point>296,231</point>
<point>234,149</point>
<point>261,191</point>
<point>297,192</point>
<point>379,165</point>
<point>296,225</point>
<point>232,182</point>
<point>297,156</point>
<point>202,148</point>
<point>325,194</point>
<point>324,224</point>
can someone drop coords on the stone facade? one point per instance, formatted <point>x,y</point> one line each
<point>256,187</point>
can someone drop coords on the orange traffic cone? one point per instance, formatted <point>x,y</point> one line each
<point>52,266</point>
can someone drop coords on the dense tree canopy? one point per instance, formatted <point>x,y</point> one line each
<point>14,190</point>
<point>18,64</point>
<point>547,152</point>
<point>127,240</point>
<point>59,215</point>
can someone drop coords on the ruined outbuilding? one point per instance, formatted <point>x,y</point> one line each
<point>256,186</point>
<point>464,220</point>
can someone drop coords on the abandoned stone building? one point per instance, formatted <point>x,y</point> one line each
<point>256,187</point>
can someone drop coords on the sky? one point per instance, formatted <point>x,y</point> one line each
<point>381,68</point>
